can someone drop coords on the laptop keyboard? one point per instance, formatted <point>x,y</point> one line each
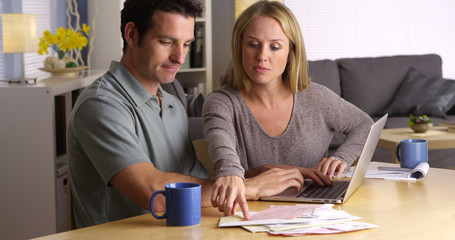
<point>318,192</point>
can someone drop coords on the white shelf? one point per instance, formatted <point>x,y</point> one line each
<point>187,76</point>
<point>29,165</point>
<point>187,70</point>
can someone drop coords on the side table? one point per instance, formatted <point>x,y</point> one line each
<point>437,137</point>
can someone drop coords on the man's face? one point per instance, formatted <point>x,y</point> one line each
<point>163,48</point>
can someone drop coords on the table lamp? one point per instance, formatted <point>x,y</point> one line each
<point>19,36</point>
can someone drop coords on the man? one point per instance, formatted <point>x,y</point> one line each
<point>127,137</point>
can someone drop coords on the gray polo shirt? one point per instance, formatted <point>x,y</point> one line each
<point>116,123</point>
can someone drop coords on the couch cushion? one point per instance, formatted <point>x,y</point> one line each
<point>325,72</point>
<point>371,83</point>
<point>420,94</point>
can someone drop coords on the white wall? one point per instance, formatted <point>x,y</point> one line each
<point>108,43</point>
<point>357,28</point>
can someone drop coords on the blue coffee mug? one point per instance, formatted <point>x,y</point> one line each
<point>183,204</point>
<point>411,152</point>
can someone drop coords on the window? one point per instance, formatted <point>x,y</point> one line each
<point>357,28</point>
<point>46,14</point>
<point>43,10</point>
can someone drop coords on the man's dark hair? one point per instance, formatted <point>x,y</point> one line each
<point>140,12</point>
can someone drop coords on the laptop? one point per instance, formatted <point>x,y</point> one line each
<point>340,190</point>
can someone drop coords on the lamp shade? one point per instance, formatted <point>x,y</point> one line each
<point>19,33</point>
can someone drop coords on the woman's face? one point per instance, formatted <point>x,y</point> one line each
<point>265,50</point>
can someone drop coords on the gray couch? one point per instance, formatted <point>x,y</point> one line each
<point>373,84</point>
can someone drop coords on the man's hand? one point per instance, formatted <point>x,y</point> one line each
<point>328,166</point>
<point>272,182</point>
<point>228,193</point>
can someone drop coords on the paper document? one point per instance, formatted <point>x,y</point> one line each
<point>297,220</point>
<point>330,229</point>
<point>396,173</point>
<point>283,212</point>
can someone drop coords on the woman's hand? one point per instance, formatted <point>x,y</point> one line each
<point>316,175</point>
<point>272,182</point>
<point>228,193</point>
<point>311,173</point>
<point>328,166</point>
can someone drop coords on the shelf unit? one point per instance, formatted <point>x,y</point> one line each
<point>108,38</point>
<point>192,76</point>
<point>33,162</point>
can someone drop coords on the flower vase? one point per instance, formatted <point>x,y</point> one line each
<point>58,66</point>
<point>60,63</point>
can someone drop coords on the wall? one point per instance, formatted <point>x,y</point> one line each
<point>221,28</point>
<point>357,28</point>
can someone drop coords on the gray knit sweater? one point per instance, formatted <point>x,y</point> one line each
<point>237,142</point>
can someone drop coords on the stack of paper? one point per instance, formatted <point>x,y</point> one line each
<point>396,173</point>
<point>297,220</point>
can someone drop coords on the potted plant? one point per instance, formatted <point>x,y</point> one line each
<point>420,124</point>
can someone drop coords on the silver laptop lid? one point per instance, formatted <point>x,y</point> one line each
<point>365,157</point>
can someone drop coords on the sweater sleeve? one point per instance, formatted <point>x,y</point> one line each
<point>220,134</point>
<point>345,117</point>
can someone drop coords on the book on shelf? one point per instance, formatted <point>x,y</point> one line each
<point>197,47</point>
<point>195,89</point>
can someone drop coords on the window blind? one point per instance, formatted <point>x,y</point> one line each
<point>357,28</point>
<point>44,13</point>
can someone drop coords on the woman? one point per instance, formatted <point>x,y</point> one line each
<point>268,114</point>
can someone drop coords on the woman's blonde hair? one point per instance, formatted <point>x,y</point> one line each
<point>295,75</point>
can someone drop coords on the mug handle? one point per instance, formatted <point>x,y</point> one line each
<point>151,205</point>
<point>397,152</point>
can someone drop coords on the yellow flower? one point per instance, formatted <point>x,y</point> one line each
<point>81,42</point>
<point>85,28</point>
<point>61,31</point>
<point>43,46</point>
<point>64,40</point>
<point>48,37</point>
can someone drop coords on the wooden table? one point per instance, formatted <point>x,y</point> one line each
<point>402,210</point>
<point>437,137</point>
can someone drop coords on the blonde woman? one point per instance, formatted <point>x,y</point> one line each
<point>268,114</point>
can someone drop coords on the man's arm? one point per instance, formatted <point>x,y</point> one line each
<point>139,181</point>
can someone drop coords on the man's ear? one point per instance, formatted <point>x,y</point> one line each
<point>131,34</point>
